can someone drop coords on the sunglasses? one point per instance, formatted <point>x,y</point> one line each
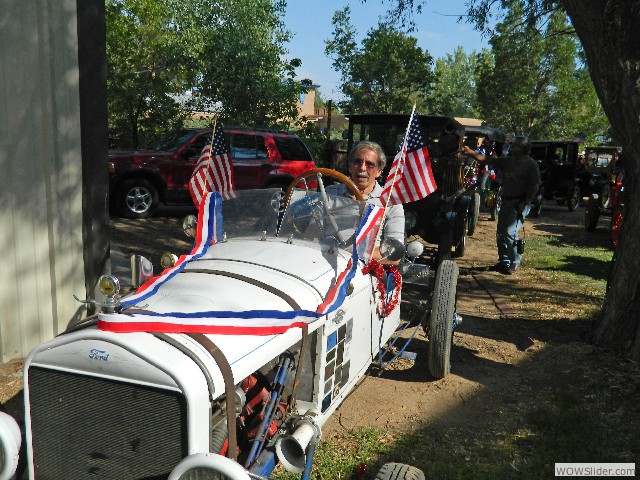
<point>358,162</point>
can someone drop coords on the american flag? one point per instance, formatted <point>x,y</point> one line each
<point>213,171</point>
<point>410,177</point>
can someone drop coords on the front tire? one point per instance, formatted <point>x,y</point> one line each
<point>443,308</point>
<point>137,198</point>
<point>399,471</point>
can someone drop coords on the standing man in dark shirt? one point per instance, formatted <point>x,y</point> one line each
<point>521,180</point>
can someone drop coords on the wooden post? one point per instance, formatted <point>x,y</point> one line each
<point>328,133</point>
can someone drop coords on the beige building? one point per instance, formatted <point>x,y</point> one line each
<point>53,151</point>
<point>320,116</point>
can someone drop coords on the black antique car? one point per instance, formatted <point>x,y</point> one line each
<point>600,167</point>
<point>441,218</point>
<point>558,163</point>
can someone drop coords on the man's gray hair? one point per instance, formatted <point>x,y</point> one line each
<point>374,147</point>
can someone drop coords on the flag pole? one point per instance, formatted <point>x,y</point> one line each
<point>395,173</point>
<point>214,124</point>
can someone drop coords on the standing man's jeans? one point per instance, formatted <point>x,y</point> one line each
<point>507,231</point>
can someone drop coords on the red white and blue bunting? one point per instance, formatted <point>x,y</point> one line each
<point>250,322</point>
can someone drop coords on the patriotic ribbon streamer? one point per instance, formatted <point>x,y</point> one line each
<point>208,232</point>
<point>250,322</point>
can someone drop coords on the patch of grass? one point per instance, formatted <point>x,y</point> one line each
<point>580,272</point>
<point>341,456</point>
<point>572,263</point>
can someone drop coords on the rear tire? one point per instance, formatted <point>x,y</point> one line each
<point>443,308</point>
<point>137,198</point>
<point>573,197</point>
<point>592,213</point>
<point>474,214</point>
<point>460,235</point>
<point>399,471</point>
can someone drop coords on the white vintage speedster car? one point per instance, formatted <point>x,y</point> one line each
<point>230,361</point>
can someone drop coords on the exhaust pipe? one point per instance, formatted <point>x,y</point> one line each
<point>291,449</point>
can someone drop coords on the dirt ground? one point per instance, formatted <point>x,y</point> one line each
<point>512,343</point>
<point>506,351</point>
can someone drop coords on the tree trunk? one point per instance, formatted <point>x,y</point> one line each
<point>609,36</point>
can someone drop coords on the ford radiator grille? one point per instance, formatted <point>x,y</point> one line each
<point>88,427</point>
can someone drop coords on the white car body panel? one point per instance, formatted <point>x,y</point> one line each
<point>239,274</point>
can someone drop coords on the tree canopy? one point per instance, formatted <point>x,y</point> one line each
<point>536,82</point>
<point>158,50</point>
<point>386,74</point>
<point>454,88</point>
<point>242,67</point>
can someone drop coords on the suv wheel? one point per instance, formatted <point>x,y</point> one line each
<point>137,198</point>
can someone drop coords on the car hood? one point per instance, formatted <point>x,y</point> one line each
<point>243,275</point>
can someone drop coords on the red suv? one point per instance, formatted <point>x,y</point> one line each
<point>139,181</point>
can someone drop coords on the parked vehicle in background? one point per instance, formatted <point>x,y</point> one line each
<point>558,163</point>
<point>484,182</point>
<point>610,204</point>
<point>139,181</point>
<point>601,166</point>
<point>442,217</point>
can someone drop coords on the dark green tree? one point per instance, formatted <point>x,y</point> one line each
<point>243,74</point>
<point>454,86</point>
<point>158,51</point>
<point>537,83</point>
<point>386,74</point>
<point>147,61</point>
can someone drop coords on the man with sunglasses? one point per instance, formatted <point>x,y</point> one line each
<point>366,163</point>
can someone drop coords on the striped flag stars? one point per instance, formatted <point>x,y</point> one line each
<point>411,177</point>
<point>214,170</point>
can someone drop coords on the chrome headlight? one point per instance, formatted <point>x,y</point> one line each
<point>415,249</point>
<point>410,221</point>
<point>168,260</point>
<point>190,225</point>
<point>208,466</point>
<point>10,440</point>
